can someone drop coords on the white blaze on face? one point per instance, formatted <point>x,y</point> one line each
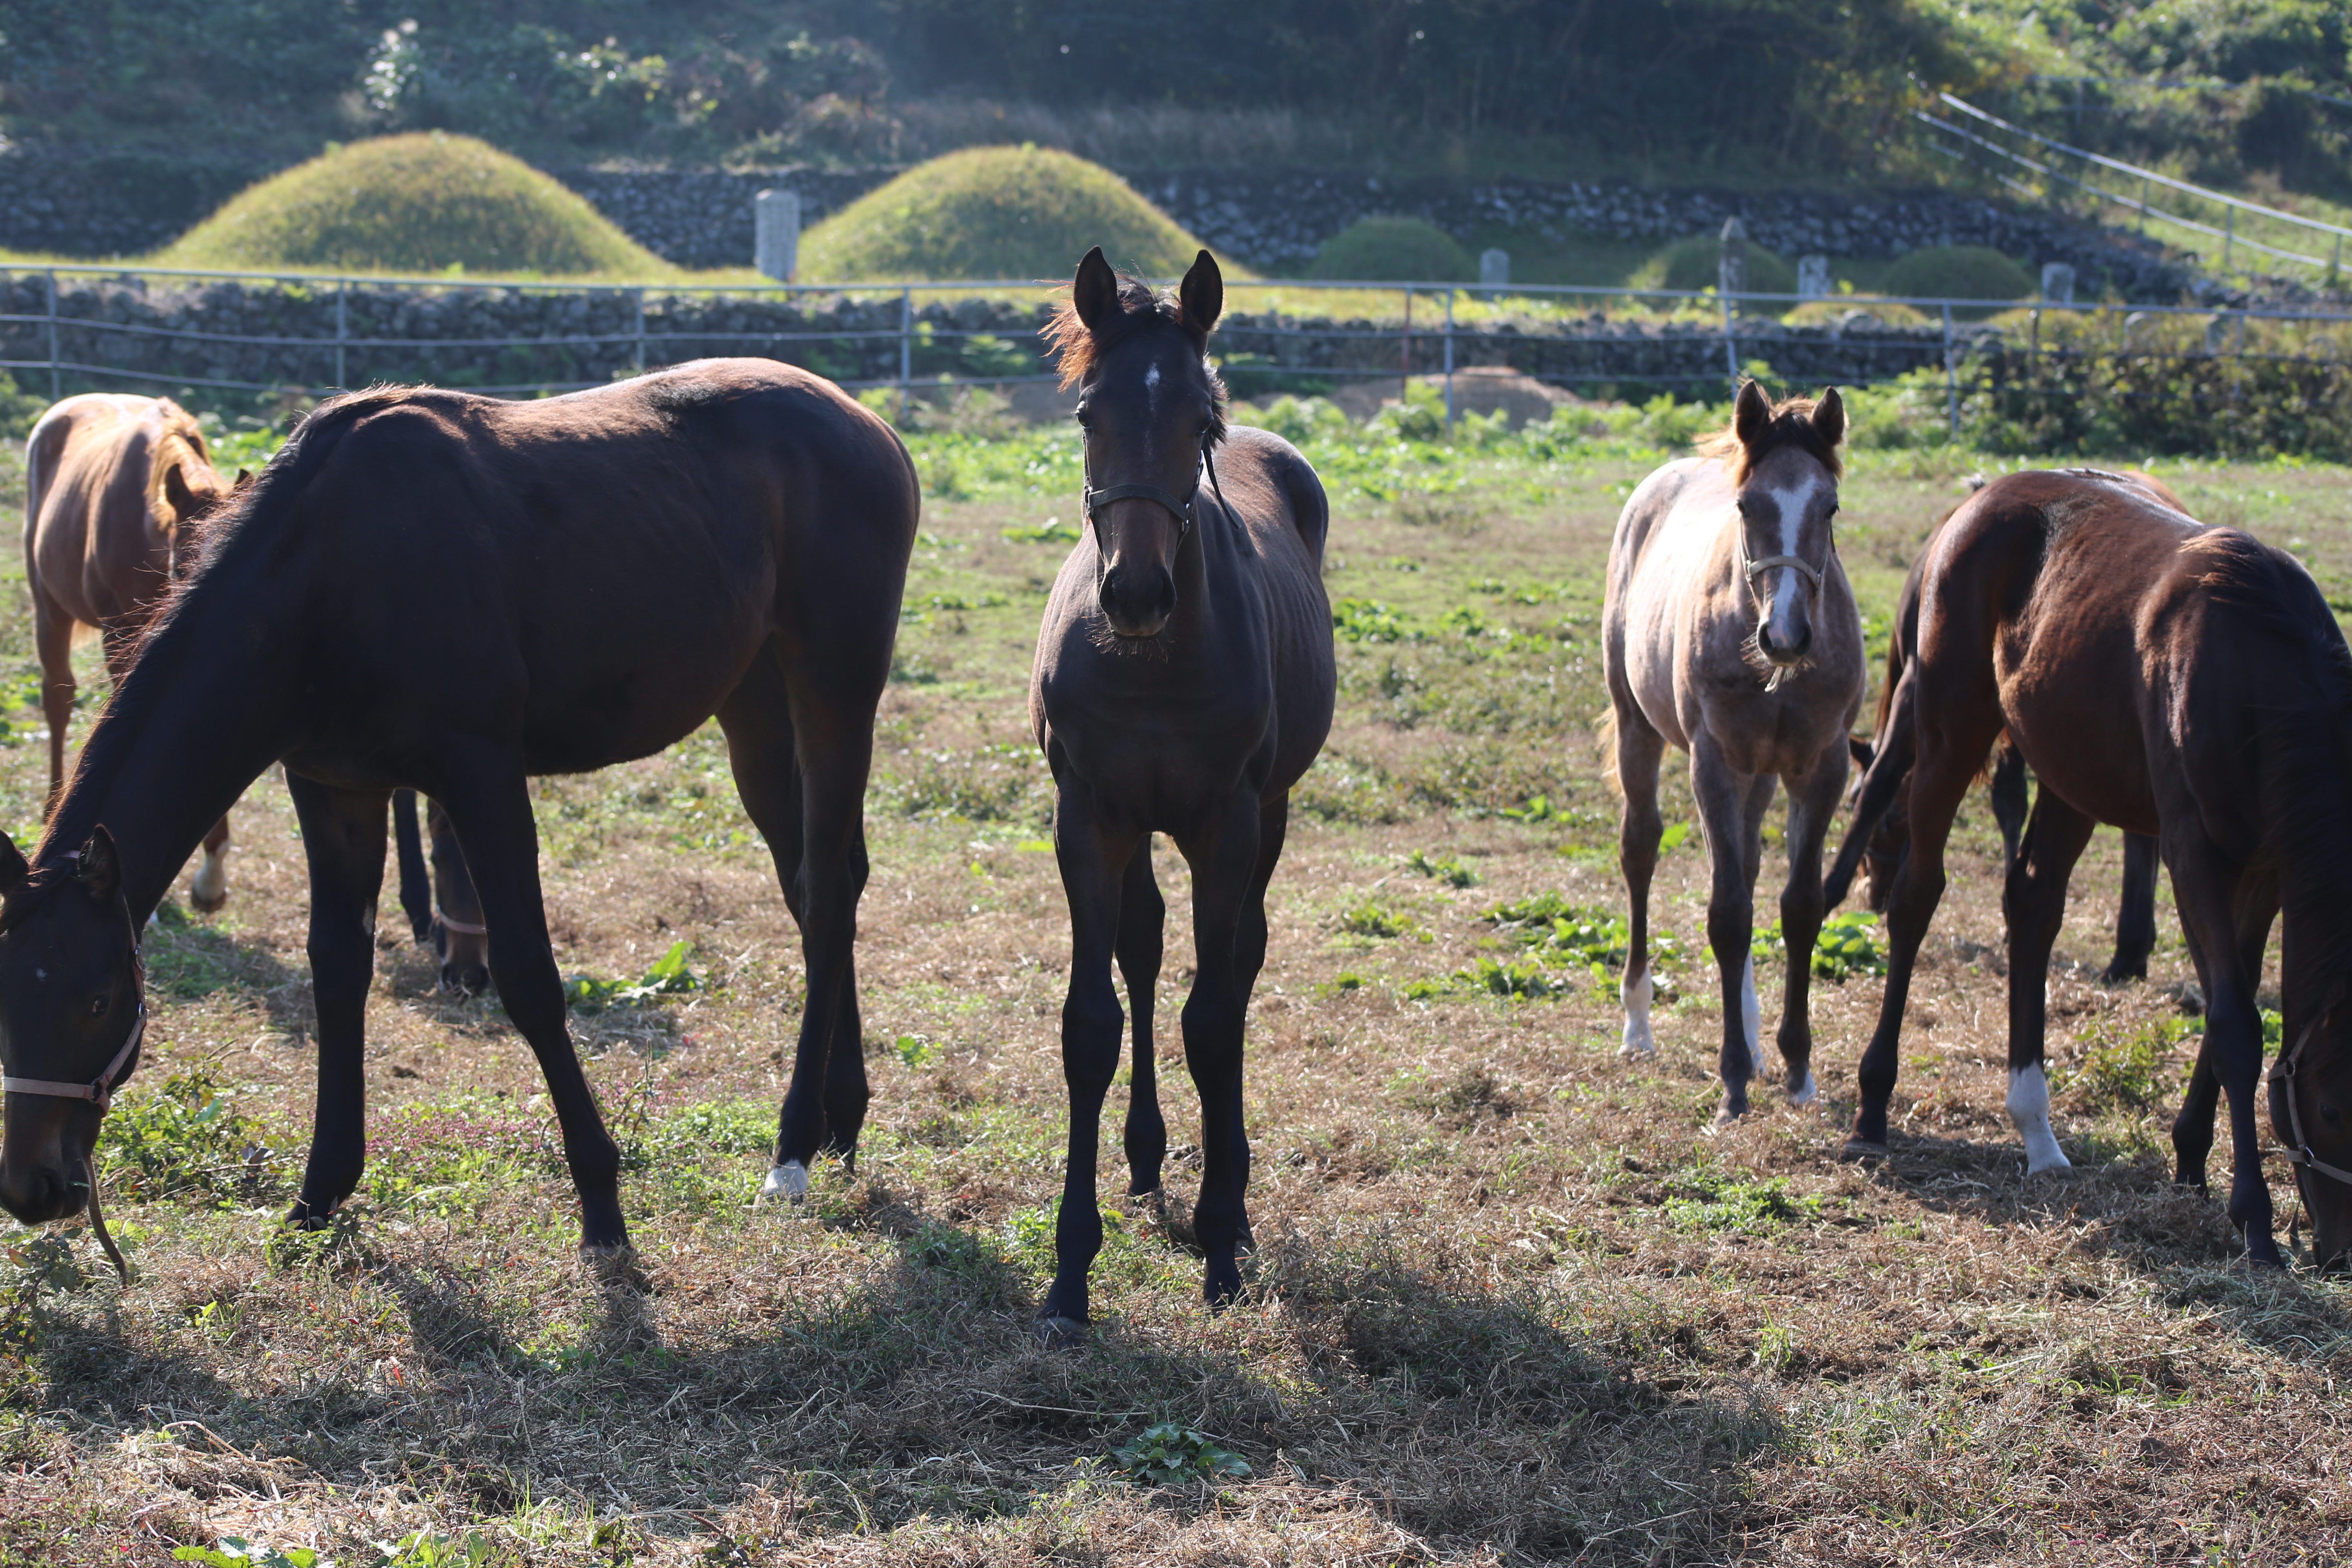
<point>1151,409</point>
<point>1786,616</point>
<point>2028,1107</point>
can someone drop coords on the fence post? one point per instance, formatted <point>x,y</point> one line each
<point>906,351</point>
<point>1951,377</point>
<point>638,308</point>
<point>56,387</point>
<point>342,328</point>
<point>1730,347</point>
<point>1404,355</point>
<point>1449,359</point>
<point>2229,234</point>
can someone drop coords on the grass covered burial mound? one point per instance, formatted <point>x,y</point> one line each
<point>1394,250</point>
<point>1016,212</point>
<point>424,202</point>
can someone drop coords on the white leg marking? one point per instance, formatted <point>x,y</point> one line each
<point>1635,995</point>
<point>1751,1018</point>
<point>1806,1092</point>
<point>788,1181</point>
<point>2028,1107</point>
<point>210,884</point>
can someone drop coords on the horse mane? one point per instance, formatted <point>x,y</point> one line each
<point>1791,423</point>
<point>2268,593</point>
<point>182,445</point>
<point>1141,308</point>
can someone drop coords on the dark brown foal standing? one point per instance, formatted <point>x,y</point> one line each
<point>447,592</point>
<point>2170,679</point>
<point>1184,682</point>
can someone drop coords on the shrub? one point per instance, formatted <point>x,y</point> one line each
<point>1958,272</point>
<point>424,202</point>
<point>995,212</point>
<point>1394,250</point>
<point>1692,264</point>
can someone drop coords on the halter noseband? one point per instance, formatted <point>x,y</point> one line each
<point>1794,563</point>
<point>1181,509</point>
<point>2283,1072</point>
<point>99,1091</point>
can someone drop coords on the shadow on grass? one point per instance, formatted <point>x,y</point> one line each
<point>906,1382</point>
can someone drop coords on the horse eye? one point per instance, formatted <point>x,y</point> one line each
<point>98,1004</point>
<point>2327,1114</point>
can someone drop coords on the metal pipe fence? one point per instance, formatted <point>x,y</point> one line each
<point>275,333</point>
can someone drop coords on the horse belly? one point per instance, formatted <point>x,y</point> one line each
<point>2081,734</point>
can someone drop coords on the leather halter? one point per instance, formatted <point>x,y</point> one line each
<point>463,928</point>
<point>101,1090</point>
<point>2283,1072</point>
<point>1793,562</point>
<point>1184,509</point>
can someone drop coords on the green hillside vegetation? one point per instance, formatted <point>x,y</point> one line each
<point>1394,250</point>
<point>1957,272</point>
<point>1691,263</point>
<point>423,203</point>
<point>1015,213</point>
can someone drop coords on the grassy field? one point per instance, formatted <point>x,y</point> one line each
<point>1511,1302</point>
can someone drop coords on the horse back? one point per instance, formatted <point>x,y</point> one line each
<point>92,547</point>
<point>1286,515</point>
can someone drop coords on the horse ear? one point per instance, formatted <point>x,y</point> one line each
<point>1751,413</point>
<point>1094,292</point>
<point>244,478</point>
<point>13,868</point>
<point>1858,749</point>
<point>99,870</point>
<point>1829,417</point>
<point>178,497</point>
<point>1201,298</point>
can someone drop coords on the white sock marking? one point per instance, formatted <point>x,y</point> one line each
<point>789,1181</point>
<point>1751,1018</point>
<point>1806,1092</point>
<point>1635,995</point>
<point>2028,1107</point>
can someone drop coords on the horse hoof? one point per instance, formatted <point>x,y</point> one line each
<point>1806,1092</point>
<point>1642,1052</point>
<point>789,1181</point>
<point>207,905</point>
<point>1055,1332</point>
<point>1726,1117</point>
<point>1863,1149</point>
<point>2043,1163</point>
<point>613,1267</point>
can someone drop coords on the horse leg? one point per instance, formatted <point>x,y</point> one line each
<point>208,890</point>
<point>488,804</point>
<point>1751,850</point>
<point>415,882</point>
<point>2136,919</point>
<point>801,794</point>
<point>1223,851</point>
<point>2008,802</point>
<point>1938,783</point>
<point>1094,856</point>
<point>2034,904</point>
<point>1639,827</point>
<point>342,839</point>
<point>1724,801</point>
<point>2192,1129</point>
<point>2223,915</point>
<point>53,641</point>
<point>1812,806</point>
<point>464,936</point>
<point>1142,932</point>
<point>1249,959</point>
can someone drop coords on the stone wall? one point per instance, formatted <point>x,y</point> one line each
<point>133,334</point>
<point>123,203</point>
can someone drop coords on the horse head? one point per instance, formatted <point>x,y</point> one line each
<point>2310,1114</point>
<point>1152,409</point>
<point>1785,468</point>
<point>72,1012</point>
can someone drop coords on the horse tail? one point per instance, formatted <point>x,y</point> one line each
<point>1889,771</point>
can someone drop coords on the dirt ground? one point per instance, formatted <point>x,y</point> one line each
<point>1511,1301</point>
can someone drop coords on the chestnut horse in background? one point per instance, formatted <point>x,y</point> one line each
<point>448,593</point>
<point>1184,681</point>
<point>2170,679</point>
<point>1729,632</point>
<point>1881,828</point>
<point>114,487</point>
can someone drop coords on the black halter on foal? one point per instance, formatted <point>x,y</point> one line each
<point>1182,509</point>
<point>2283,1072</point>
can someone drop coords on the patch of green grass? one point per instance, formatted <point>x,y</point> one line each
<point>1371,918</point>
<point>1848,945</point>
<point>1369,620</point>
<point>1053,531</point>
<point>1168,1454</point>
<point>1446,868</point>
<point>184,1138</point>
<point>669,976</point>
<point>2133,1072</point>
<point>1712,1198</point>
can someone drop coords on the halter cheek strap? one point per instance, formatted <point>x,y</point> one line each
<point>100,1093</point>
<point>463,928</point>
<point>2283,1072</point>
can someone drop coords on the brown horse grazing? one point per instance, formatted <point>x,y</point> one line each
<point>1729,632</point>
<point>1880,830</point>
<point>1184,681</point>
<point>2170,679</point>
<point>114,487</point>
<point>448,593</point>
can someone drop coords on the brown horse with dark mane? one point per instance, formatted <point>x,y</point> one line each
<point>115,487</point>
<point>1184,681</point>
<point>450,592</point>
<point>2169,679</point>
<point>1880,830</point>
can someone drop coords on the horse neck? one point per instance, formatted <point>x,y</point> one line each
<point>208,705</point>
<point>2309,829</point>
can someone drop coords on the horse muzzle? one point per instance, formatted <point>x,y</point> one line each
<point>1787,648</point>
<point>41,1177</point>
<point>1136,604</point>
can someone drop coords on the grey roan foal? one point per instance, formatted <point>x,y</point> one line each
<point>1184,681</point>
<point>1730,632</point>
